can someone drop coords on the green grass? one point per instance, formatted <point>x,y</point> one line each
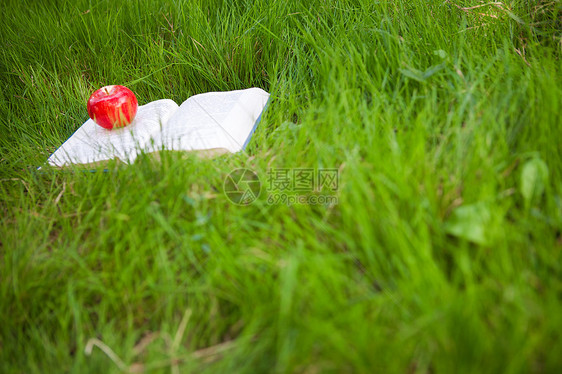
<point>443,255</point>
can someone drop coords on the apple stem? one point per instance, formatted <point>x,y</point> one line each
<point>106,91</point>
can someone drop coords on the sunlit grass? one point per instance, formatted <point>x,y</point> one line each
<point>442,255</point>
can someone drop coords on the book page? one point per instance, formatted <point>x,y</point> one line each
<point>92,143</point>
<point>215,120</point>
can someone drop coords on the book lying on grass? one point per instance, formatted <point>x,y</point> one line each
<point>212,123</point>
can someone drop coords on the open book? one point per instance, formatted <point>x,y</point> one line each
<point>215,121</point>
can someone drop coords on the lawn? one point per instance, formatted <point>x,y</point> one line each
<point>439,249</point>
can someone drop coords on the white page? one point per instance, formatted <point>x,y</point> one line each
<point>214,120</point>
<point>92,143</point>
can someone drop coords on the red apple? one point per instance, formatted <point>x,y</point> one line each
<point>112,106</point>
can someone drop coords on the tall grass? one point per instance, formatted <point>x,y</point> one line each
<point>442,255</point>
